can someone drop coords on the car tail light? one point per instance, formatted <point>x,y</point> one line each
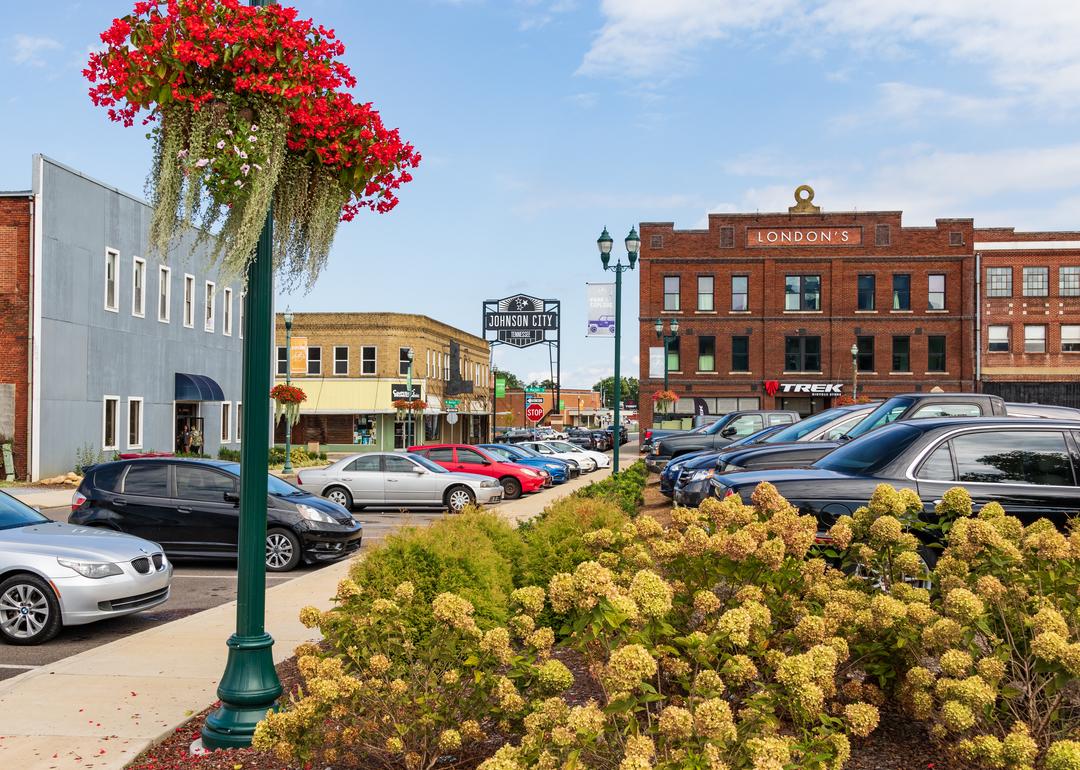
<point>77,500</point>
<point>299,480</point>
<point>648,435</point>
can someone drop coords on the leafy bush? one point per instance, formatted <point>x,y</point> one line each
<point>300,457</point>
<point>230,455</point>
<point>554,541</point>
<point>469,555</point>
<point>625,489</point>
<point>85,456</point>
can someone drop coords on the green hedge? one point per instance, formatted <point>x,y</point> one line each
<point>625,490</point>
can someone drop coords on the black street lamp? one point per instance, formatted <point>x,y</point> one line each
<point>633,243</point>
<point>668,339</point>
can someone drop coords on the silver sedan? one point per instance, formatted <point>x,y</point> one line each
<point>392,479</point>
<point>54,575</point>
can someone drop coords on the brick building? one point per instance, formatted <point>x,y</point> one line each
<point>1029,315</point>
<point>16,213</point>
<point>769,306</point>
<point>353,366</point>
<point>579,407</point>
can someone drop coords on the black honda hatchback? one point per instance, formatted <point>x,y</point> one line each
<point>192,508</point>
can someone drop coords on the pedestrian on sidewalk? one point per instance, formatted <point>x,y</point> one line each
<point>195,440</point>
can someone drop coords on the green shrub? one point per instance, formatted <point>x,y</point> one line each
<point>626,489</point>
<point>469,555</point>
<point>231,455</point>
<point>553,540</point>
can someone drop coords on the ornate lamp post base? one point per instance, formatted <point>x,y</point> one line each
<point>249,688</point>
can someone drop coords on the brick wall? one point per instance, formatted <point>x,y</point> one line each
<point>511,408</point>
<point>722,250</point>
<point>15,316</point>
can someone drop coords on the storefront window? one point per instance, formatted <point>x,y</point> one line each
<point>365,432</point>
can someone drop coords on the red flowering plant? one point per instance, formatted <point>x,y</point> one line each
<point>287,400</point>
<point>405,405</point>
<point>248,108</point>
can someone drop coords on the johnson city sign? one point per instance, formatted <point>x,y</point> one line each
<point>521,320</point>
<point>772,387</point>
<point>758,237</point>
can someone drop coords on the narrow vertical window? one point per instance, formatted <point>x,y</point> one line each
<point>239,420</point>
<point>226,312</point>
<point>112,267</point>
<point>740,354</point>
<point>209,317</point>
<point>739,293</point>
<point>705,292</point>
<point>314,361</point>
<point>243,301</point>
<point>706,354</point>
<point>367,361</point>
<point>341,360</point>
<point>901,293</point>
<point>936,295</point>
<point>671,292</point>
<point>109,429</point>
<point>935,353</point>
<point>282,360</point>
<point>901,354</point>
<point>164,294</point>
<point>865,358</point>
<point>138,287</point>
<point>135,423</point>
<point>189,301</point>
<point>867,289</point>
<point>226,428</point>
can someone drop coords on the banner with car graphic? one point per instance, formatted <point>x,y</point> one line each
<point>601,299</point>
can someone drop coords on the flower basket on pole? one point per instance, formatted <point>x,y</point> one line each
<point>252,128</point>
<point>664,401</point>
<point>287,400</point>
<point>406,406</point>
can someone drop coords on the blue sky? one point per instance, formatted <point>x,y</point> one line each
<point>541,121</point>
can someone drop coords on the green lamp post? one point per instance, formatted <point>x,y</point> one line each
<point>668,339</point>
<point>250,687</point>
<point>604,243</point>
<point>287,468</point>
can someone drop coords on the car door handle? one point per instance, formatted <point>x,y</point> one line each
<point>119,502</point>
<point>183,510</point>
<point>391,481</point>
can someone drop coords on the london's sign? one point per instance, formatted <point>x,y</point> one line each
<point>758,237</point>
<point>772,387</point>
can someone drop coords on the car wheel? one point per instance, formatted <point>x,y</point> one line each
<point>282,550</point>
<point>458,499</point>
<point>339,495</point>
<point>29,611</point>
<point>511,488</point>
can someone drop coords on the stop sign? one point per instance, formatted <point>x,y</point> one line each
<point>534,412</point>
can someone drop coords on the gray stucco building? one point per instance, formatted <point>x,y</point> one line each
<point>127,349</point>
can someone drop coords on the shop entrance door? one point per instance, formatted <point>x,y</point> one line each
<point>187,420</point>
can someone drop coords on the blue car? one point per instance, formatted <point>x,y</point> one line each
<point>559,470</point>
<point>670,475</point>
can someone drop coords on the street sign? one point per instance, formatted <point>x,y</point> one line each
<point>534,389</point>
<point>452,403</point>
<point>534,412</point>
<point>452,418</point>
<point>534,401</point>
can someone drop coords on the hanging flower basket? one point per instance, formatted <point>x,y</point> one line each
<point>287,400</point>
<point>664,400</point>
<point>247,111</point>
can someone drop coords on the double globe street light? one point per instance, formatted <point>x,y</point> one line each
<point>633,243</point>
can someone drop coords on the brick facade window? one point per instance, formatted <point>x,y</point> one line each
<point>867,286</point>
<point>1070,338</point>
<point>727,237</point>
<point>673,358</point>
<point>997,339</point>
<point>1069,281</point>
<point>705,292</point>
<point>956,238</point>
<point>802,292</point>
<point>403,361</point>
<point>865,358</point>
<point>656,241</point>
<point>671,292</point>
<point>935,353</point>
<point>881,235</point>
<point>282,360</point>
<point>740,354</point>
<point>999,282</point>
<point>367,360</point>
<point>1036,281</point>
<point>901,353</point>
<point>802,354</point>
<point>1034,338</point>
<point>935,299</point>
<point>314,360</point>
<point>706,357</point>
<point>901,293</point>
<point>341,360</point>
<point>740,293</point>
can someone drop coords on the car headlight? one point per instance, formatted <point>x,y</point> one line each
<point>92,569</point>
<point>702,475</point>
<point>314,514</point>
<point>528,472</point>
<point>489,483</point>
<point>573,463</point>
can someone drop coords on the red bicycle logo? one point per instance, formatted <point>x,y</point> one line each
<point>771,386</point>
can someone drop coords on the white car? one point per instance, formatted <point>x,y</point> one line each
<point>563,450</point>
<point>602,460</point>
<point>393,479</point>
<point>54,574</point>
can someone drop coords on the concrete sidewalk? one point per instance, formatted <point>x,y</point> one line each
<point>102,707</point>
<point>43,497</point>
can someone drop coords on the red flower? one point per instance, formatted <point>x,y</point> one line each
<point>287,394</point>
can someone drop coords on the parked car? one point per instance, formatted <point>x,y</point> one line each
<point>672,472</point>
<point>192,507</point>
<point>719,434</point>
<point>920,406</point>
<point>1030,466</point>
<point>651,435</point>
<point>547,433</point>
<point>603,440</point>
<point>624,435</point>
<point>583,438</point>
<point>560,471</point>
<point>391,478</point>
<point>517,435</point>
<point>564,450</point>
<point>464,458</point>
<point>802,444</point>
<point>54,575</point>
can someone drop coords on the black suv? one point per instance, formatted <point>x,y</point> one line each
<point>192,508</point>
<point>583,437</point>
<point>732,426</point>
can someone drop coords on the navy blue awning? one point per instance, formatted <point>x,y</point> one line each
<point>197,387</point>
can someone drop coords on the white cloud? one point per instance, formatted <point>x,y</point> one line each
<point>30,49</point>
<point>907,104</point>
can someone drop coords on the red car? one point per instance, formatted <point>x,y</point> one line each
<point>462,458</point>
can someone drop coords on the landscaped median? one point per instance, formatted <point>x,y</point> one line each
<point>717,638</point>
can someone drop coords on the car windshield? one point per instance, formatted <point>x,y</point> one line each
<point>499,453</point>
<point>274,486</point>
<point>871,453</point>
<point>527,451</point>
<point>889,411</point>
<point>428,464</point>
<point>797,430</point>
<point>14,513</point>
<point>563,446</point>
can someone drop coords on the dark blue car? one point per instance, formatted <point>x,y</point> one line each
<point>560,470</point>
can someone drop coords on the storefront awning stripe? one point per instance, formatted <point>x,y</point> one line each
<point>197,387</point>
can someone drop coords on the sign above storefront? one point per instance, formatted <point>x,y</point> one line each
<point>399,391</point>
<point>759,237</point>
<point>772,387</point>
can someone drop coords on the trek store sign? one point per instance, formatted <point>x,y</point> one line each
<point>772,387</point>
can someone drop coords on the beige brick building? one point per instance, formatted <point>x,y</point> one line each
<point>354,366</point>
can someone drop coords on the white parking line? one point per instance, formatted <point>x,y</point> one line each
<point>17,666</point>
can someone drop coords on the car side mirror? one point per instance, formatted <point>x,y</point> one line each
<point>418,470</point>
<point>729,431</point>
<point>231,497</point>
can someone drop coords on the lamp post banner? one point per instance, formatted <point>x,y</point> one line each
<point>298,355</point>
<point>656,363</point>
<point>601,301</point>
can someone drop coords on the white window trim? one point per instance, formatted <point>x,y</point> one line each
<point>243,299</point>
<point>166,273</point>
<point>210,306</point>
<point>277,360</point>
<point>307,368</point>
<point>336,348</point>
<point>136,263</point>
<point>226,311</point>
<point>112,254</point>
<point>225,429</point>
<point>376,372</point>
<point>405,361</point>
<point>189,319</point>
<point>237,425</point>
<point>142,420</point>
<point>104,410</point>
